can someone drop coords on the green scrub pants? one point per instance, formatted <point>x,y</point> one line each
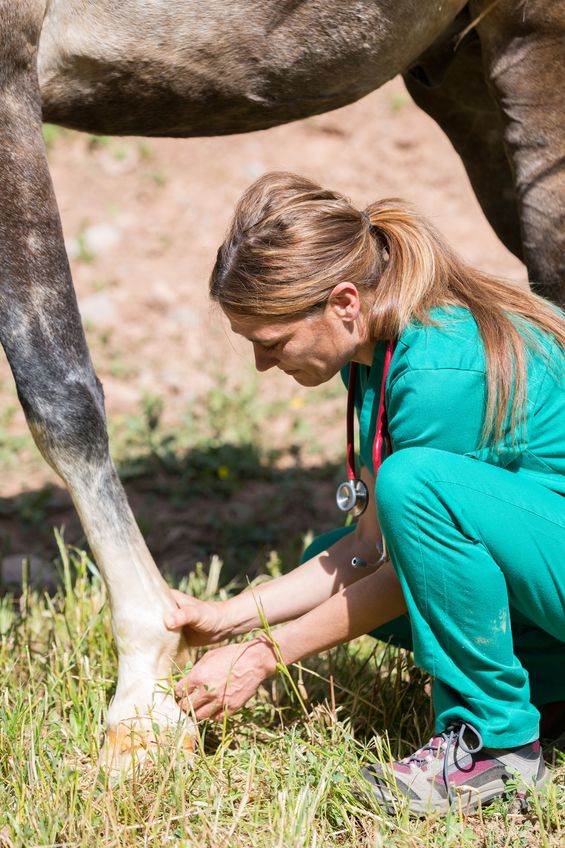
<point>480,554</point>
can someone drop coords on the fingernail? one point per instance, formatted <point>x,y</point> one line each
<point>170,621</point>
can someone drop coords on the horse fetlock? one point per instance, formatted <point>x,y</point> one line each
<point>144,644</point>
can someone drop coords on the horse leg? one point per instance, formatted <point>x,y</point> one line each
<point>523,44</point>
<point>41,332</point>
<point>449,84</point>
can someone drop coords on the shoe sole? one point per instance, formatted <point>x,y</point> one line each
<point>468,797</point>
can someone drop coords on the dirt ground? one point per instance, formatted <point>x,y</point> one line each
<point>142,222</point>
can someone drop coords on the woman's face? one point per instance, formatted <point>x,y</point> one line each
<point>313,349</point>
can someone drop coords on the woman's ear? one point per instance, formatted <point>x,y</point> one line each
<point>345,301</point>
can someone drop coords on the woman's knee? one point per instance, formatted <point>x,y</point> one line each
<point>402,478</point>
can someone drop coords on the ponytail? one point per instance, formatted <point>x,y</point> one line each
<point>422,272</point>
<point>415,272</point>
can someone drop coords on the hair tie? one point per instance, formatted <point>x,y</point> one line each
<point>366,219</point>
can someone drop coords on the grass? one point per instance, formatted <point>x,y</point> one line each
<point>280,773</point>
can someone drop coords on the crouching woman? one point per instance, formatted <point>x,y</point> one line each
<point>470,499</point>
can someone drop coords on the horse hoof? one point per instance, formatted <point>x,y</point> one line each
<point>131,745</point>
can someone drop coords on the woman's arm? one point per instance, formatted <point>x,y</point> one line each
<point>289,596</point>
<point>225,679</point>
<point>310,584</point>
<point>354,610</point>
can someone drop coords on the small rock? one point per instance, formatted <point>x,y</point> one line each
<point>184,316</point>
<point>41,573</point>
<point>99,309</point>
<point>100,238</point>
<point>92,241</point>
<point>164,293</point>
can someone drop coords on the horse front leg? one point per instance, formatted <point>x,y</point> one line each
<point>41,332</point>
<point>139,598</point>
<point>523,44</point>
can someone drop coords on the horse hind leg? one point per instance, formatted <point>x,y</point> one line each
<point>523,45</point>
<point>41,332</point>
<point>448,83</point>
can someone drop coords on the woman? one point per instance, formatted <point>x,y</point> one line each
<point>470,500</point>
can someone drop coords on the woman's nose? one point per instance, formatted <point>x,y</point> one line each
<point>264,359</point>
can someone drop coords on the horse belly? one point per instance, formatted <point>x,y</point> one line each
<point>183,68</point>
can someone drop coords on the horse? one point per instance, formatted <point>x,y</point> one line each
<point>490,72</point>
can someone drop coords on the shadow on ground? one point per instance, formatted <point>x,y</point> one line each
<point>227,500</point>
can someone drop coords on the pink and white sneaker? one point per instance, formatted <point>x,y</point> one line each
<point>451,767</point>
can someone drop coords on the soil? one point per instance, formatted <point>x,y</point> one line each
<point>142,222</point>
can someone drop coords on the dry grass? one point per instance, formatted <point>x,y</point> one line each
<point>281,773</point>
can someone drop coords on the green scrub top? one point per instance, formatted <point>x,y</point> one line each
<point>436,397</point>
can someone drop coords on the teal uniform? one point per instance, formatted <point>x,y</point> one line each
<point>475,534</point>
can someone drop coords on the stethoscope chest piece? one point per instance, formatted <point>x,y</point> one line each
<point>352,496</point>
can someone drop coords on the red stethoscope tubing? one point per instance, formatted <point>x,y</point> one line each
<point>381,429</point>
<point>351,386</point>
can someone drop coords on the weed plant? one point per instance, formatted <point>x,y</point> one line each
<point>283,772</point>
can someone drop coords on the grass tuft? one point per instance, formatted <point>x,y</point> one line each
<point>283,772</point>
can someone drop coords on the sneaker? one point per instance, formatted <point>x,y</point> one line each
<point>450,767</point>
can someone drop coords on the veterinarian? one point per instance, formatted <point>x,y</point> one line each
<point>469,500</point>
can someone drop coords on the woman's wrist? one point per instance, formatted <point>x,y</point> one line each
<point>266,655</point>
<point>237,618</point>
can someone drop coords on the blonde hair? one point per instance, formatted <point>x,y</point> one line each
<point>291,241</point>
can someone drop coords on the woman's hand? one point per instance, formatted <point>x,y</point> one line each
<point>226,678</point>
<point>202,622</point>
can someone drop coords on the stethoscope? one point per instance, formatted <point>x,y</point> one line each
<point>352,495</point>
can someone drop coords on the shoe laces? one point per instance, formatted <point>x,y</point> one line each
<point>453,735</point>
